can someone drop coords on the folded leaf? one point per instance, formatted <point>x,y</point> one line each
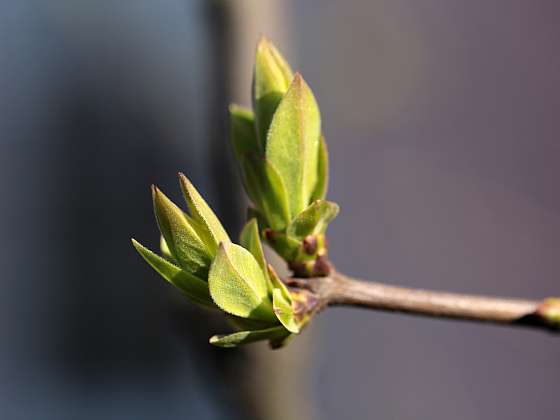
<point>267,191</point>
<point>322,185</point>
<point>292,145</point>
<point>245,337</point>
<point>283,310</point>
<point>212,231</point>
<point>278,284</point>
<point>238,285</point>
<point>242,132</point>
<point>314,219</point>
<point>193,287</point>
<point>271,80</point>
<point>184,243</point>
<point>282,302</point>
<point>250,239</point>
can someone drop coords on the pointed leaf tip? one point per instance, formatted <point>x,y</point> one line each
<point>272,77</point>
<point>211,230</point>
<point>193,287</point>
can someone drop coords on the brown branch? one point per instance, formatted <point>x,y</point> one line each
<point>338,289</point>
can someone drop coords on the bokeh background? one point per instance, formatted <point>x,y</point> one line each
<point>442,122</point>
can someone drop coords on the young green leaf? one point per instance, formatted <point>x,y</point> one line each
<point>250,239</point>
<point>245,337</point>
<point>322,185</point>
<point>283,310</point>
<point>314,219</point>
<point>238,285</point>
<point>183,241</point>
<point>267,191</point>
<point>292,145</point>
<point>193,287</point>
<point>271,80</point>
<point>242,132</point>
<point>212,231</point>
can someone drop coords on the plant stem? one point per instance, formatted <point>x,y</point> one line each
<point>340,290</point>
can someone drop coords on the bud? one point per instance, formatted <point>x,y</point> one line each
<point>549,311</point>
<point>284,160</point>
<point>200,260</point>
<point>285,167</point>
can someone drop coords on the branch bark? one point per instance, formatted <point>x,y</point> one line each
<point>340,290</point>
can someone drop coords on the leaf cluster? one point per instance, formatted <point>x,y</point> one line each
<point>284,161</point>
<point>284,165</point>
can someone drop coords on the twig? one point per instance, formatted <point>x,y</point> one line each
<point>338,289</point>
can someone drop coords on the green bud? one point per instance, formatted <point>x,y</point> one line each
<point>271,79</point>
<point>284,166</point>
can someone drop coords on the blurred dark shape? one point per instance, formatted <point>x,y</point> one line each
<point>97,104</point>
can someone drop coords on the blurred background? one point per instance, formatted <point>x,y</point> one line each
<point>442,123</point>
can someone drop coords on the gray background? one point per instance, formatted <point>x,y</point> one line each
<point>441,118</point>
